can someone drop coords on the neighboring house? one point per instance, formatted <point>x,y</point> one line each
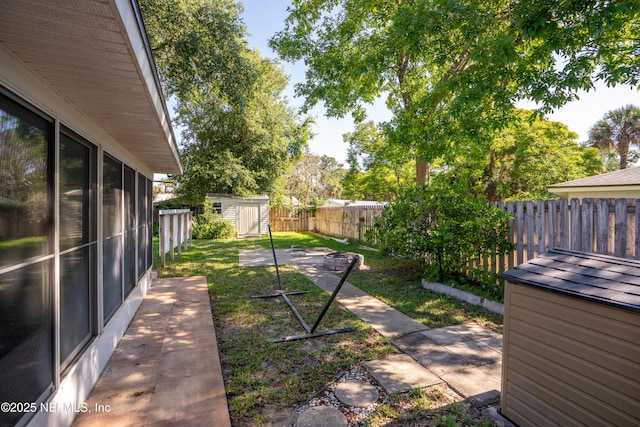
<point>624,183</point>
<point>250,214</point>
<point>83,127</point>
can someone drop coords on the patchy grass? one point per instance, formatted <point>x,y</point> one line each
<point>435,406</point>
<point>264,378</point>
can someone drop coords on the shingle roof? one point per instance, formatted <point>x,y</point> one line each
<point>630,176</point>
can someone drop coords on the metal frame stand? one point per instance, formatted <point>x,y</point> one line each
<point>310,331</point>
<point>279,292</point>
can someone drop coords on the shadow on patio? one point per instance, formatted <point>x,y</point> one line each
<point>166,370</point>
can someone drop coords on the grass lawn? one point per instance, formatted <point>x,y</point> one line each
<point>267,380</point>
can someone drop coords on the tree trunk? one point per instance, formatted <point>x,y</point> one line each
<point>623,150</point>
<point>422,172</point>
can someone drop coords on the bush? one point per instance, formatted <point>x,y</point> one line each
<point>445,228</point>
<point>210,225</point>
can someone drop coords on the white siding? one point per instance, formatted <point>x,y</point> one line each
<point>232,211</point>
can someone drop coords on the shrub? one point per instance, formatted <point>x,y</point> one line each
<point>210,225</point>
<point>444,227</point>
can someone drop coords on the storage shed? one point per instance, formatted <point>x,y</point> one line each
<point>572,341</point>
<point>250,214</point>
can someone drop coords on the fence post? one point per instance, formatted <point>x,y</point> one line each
<point>179,220</point>
<point>161,232</point>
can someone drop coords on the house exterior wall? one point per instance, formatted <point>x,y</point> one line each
<point>72,379</point>
<point>568,361</point>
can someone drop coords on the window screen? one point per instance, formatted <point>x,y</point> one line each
<point>26,255</point>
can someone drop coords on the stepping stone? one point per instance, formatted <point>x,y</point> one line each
<point>399,373</point>
<point>356,393</point>
<point>322,416</point>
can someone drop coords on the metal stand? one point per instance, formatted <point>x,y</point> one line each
<point>279,292</point>
<point>310,332</point>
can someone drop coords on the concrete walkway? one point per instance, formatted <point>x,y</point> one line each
<point>166,370</point>
<point>467,357</point>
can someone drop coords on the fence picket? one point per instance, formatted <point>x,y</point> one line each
<point>602,226</point>
<point>540,227</point>
<point>586,229</point>
<point>552,218</point>
<point>620,243</point>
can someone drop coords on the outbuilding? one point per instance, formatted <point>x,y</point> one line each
<point>571,344</point>
<point>249,214</point>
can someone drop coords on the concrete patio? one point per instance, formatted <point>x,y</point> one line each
<point>166,370</point>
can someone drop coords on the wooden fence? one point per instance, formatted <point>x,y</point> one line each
<point>349,222</point>
<point>291,219</point>
<point>603,226</point>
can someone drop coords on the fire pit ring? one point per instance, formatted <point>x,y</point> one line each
<point>339,261</point>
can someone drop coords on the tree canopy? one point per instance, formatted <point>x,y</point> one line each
<point>313,179</point>
<point>377,169</point>
<point>520,160</point>
<point>240,134</point>
<point>452,69</point>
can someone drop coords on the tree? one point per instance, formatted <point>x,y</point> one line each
<point>377,169</point>
<point>314,178</point>
<point>618,130</point>
<point>240,133</point>
<point>519,161</point>
<point>452,69</point>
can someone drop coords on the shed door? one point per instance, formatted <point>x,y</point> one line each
<point>249,219</point>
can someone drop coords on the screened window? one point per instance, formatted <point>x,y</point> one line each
<point>130,253</point>
<point>26,255</point>
<point>78,244</point>
<point>142,225</point>
<point>149,203</point>
<point>217,208</point>
<point>113,245</point>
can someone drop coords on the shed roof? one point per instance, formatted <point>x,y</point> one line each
<point>95,54</point>
<point>599,278</point>
<point>235,196</point>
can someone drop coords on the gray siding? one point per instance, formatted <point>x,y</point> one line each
<point>569,361</point>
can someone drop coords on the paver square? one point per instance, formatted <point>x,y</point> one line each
<point>494,342</point>
<point>415,343</point>
<point>356,393</point>
<point>399,373</point>
<point>451,334</point>
<point>321,416</point>
<point>472,381</point>
<point>474,353</point>
<point>441,361</point>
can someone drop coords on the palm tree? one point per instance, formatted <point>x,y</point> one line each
<point>618,129</point>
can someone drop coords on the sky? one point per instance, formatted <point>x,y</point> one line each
<point>263,18</point>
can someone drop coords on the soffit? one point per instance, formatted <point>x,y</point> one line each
<point>91,52</point>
